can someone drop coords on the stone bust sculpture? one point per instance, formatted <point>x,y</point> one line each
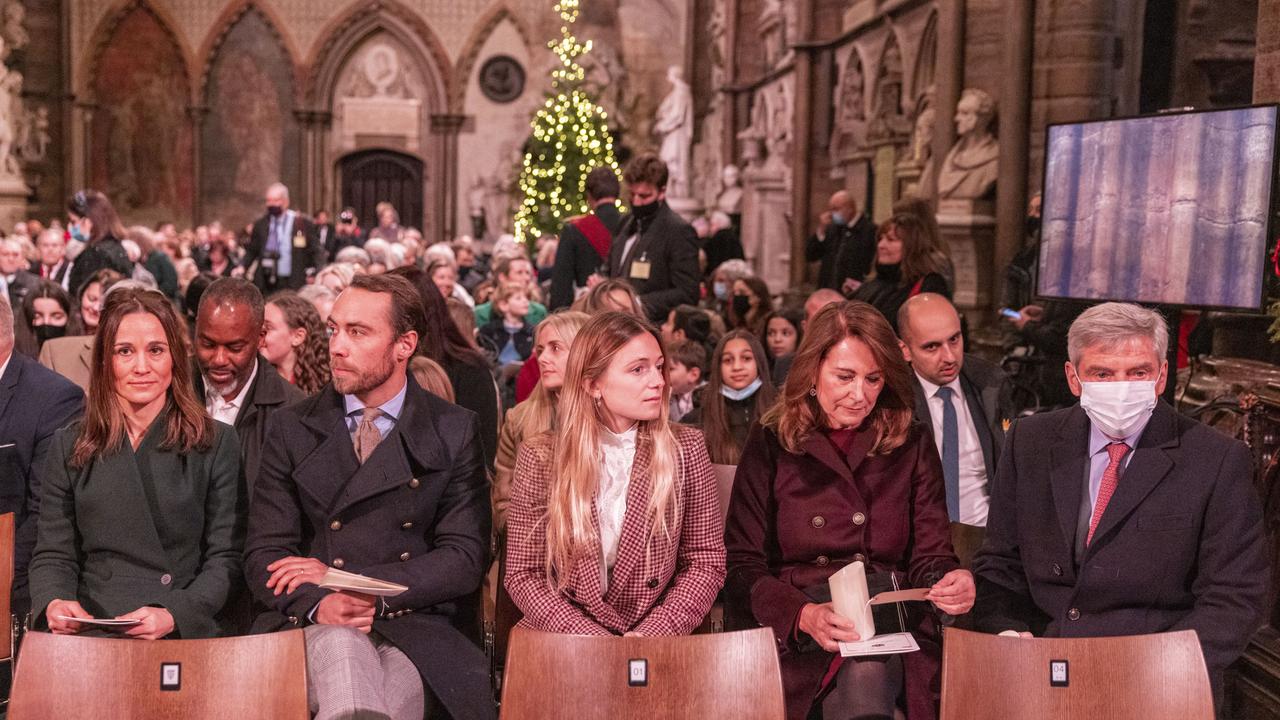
<point>969,170</point>
<point>730,198</point>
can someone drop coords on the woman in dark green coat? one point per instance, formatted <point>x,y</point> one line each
<point>142,510</point>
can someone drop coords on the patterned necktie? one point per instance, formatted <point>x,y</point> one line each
<point>273,235</point>
<point>950,453</point>
<point>1110,477</point>
<point>367,434</point>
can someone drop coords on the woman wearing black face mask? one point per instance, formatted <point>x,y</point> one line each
<point>47,314</point>
<point>750,305</point>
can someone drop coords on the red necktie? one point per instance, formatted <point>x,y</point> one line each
<point>1110,477</point>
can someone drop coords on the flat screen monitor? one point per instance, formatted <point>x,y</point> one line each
<point>1172,209</point>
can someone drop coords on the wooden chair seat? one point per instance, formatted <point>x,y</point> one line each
<point>70,677</point>
<point>1136,677</point>
<point>721,675</point>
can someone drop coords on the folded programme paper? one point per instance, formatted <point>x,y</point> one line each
<point>335,579</point>
<point>112,622</point>
<point>891,644</point>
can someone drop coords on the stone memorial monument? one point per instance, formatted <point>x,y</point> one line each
<point>966,202</point>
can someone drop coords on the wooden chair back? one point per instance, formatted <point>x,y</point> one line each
<point>725,675</point>
<point>724,487</point>
<point>6,582</point>
<point>70,677</point>
<point>1110,678</point>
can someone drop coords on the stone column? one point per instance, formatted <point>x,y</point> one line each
<point>81,131</point>
<point>1015,134</point>
<point>1266,66</point>
<point>448,127</point>
<point>949,79</point>
<point>802,144</point>
<point>196,114</point>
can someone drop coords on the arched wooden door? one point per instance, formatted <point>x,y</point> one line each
<point>372,176</point>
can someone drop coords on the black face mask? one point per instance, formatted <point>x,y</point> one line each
<point>1033,225</point>
<point>49,332</point>
<point>275,210</point>
<point>645,212</point>
<point>463,271</point>
<point>741,305</point>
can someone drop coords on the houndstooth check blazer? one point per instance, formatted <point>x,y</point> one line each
<point>664,589</point>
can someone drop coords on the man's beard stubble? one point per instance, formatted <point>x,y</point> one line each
<point>367,377</point>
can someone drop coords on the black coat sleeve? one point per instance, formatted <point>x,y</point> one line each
<point>474,389</point>
<point>564,273</point>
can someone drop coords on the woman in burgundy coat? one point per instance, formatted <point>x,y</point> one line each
<point>837,473</point>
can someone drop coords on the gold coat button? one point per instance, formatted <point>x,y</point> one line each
<point>404,556</point>
<point>414,483</point>
<point>335,525</point>
<point>822,561</point>
<point>818,521</point>
<point>338,563</point>
<point>859,518</point>
<point>860,558</point>
<point>1073,614</point>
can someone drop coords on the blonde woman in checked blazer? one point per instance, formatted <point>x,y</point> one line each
<point>613,527</point>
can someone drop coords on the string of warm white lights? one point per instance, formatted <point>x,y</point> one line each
<point>570,137</point>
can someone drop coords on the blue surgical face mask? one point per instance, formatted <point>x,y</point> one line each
<point>838,218</point>
<point>744,393</point>
<point>721,291</point>
<point>76,234</point>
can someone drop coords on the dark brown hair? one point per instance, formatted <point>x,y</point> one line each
<point>406,303</point>
<point>646,168</point>
<point>52,291</point>
<point>101,213</point>
<point>797,413</point>
<point>602,182</point>
<point>188,426</point>
<point>919,257</point>
<point>439,339</point>
<point>721,444</point>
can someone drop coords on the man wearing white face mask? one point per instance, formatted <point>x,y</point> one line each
<point>1120,516</point>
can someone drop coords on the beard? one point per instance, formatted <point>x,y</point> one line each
<point>222,389</point>
<point>368,375</point>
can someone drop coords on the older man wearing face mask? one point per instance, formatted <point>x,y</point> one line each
<point>283,249</point>
<point>1119,516</point>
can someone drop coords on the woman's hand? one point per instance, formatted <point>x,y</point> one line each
<point>288,573</point>
<point>954,593</point>
<point>824,625</point>
<point>156,623</point>
<point>70,608</point>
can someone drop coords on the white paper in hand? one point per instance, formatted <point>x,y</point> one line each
<point>891,644</point>
<point>105,622</point>
<point>335,579</point>
<point>849,597</point>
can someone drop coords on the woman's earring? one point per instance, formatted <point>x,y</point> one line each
<point>813,391</point>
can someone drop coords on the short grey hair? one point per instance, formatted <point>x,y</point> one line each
<point>278,188</point>
<point>1113,324</point>
<point>735,269</point>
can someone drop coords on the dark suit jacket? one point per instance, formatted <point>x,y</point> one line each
<point>987,393</point>
<point>268,394</point>
<point>845,251</point>
<point>308,257</point>
<point>795,519</point>
<point>34,404</point>
<point>416,513</point>
<point>670,246</point>
<point>59,274</point>
<point>576,257</point>
<point>114,544</point>
<point>1180,546</point>
<point>24,283</point>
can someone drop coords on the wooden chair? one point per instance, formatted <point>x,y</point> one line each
<point>723,675</point>
<point>724,487</point>
<point>70,677</point>
<point>1112,678</point>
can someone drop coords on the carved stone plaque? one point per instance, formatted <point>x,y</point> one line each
<point>502,79</point>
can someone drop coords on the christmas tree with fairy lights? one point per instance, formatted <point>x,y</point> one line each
<point>570,138</point>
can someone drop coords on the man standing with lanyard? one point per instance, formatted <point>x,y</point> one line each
<point>282,248</point>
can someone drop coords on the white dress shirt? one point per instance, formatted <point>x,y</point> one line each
<point>974,492</point>
<point>619,454</point>
<point>224,410</point>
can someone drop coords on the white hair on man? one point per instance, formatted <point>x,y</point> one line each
<point>278,188</point>
<point>720,220</point>
<point>377,249</point>
<point>439,251</point>
<point>395,256</point>
<point>735,269</point>
<point>353,255</point>
<point>1112,325</point>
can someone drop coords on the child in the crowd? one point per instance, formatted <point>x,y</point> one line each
<point>507,329</point>
<point>783,332</point>
<point>686,368</point>
<point>735,396</point>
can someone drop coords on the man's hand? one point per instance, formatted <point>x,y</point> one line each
<point>237,272</point>
<point>347,608</point>
<point>954,593</point>
<point>70,608</point>
<point>823,624</point>
<point>1030,313</point>
<point>850,286</point>
<point>289,572</point>
<point>156,623</point>
<point>824,221</point>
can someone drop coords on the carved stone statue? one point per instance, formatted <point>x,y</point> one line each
<point>730,199</point>
<point>850,128</point>
<point>674,124</point>
<point>11,118</point>
<point>13,32</point>
<point>970,168</point>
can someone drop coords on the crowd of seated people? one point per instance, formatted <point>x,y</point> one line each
<point>195,433</point>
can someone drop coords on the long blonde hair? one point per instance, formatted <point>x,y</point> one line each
<point>577,456</point>
<point>541,413</point>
